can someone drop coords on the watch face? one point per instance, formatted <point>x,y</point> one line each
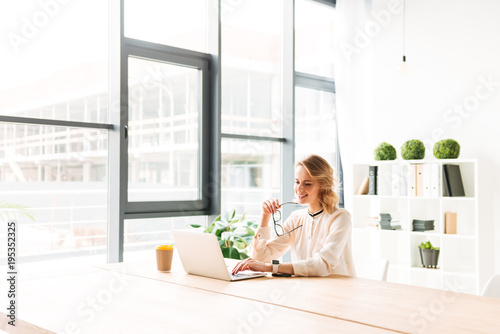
<point>276,262</point>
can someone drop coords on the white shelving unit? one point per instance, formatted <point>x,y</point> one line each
<point>459,265</point>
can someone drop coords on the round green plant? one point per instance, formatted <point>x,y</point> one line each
<point>413,150</point>
<point>447,149</point>
<point>385,151</point>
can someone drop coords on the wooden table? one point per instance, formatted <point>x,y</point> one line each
<point>135,298</point>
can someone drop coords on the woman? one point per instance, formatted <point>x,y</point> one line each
<point>319,236</point>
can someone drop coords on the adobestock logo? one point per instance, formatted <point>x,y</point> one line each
<point>31,26</point>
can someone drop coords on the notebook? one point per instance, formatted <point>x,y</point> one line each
<point>201,255</point>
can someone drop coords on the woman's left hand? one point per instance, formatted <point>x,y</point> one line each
<point>251,264</point>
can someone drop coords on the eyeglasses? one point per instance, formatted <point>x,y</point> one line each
<point>277,227</point>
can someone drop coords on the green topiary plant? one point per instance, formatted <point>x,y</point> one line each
<point>446,149</point>
<point>385,152</point>
<point>413,150</point>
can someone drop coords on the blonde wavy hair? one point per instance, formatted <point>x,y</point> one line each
<point>321,172</point>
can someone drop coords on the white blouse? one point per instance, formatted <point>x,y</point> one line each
<point>322,246</point>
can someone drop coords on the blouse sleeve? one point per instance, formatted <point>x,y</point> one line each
<point>266,250</point>
<point>330,256</point>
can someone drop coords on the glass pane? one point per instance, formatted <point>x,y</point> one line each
<point>251,61</point>
<point>163,141</point>
<point>251,173</point>
<point>176,23</point>
<point>52,67</point>
<point>314,24</point>
<point>315,124</point>
<point>61,175</point>
<point>143,235</point>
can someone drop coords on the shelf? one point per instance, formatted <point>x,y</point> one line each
<point>458,198</point>
<point>422,269</point>
<point>459,273</point>
<point>421,198</point>
<point>422,161</point>
<point>459,264</point>
<point>459,236</point>
<point>403,266</point>
<point>357,228</point>
<point>431,233</point>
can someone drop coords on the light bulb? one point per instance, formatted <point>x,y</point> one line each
<point>404,68</point>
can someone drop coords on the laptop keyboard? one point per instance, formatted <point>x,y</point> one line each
<point>246,274</point>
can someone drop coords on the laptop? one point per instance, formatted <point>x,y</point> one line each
<point>201,255</point>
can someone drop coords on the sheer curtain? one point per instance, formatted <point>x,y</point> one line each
<point>352,83</point>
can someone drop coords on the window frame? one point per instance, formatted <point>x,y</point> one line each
<point>179,57</point>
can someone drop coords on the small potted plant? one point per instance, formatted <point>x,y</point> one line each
<point>413,150</point>
<point>234,234</point>
<point>385,151</point>
<point>446,149</point>
<point>428,254</point>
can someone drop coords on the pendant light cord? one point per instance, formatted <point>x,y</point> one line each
<point>404,30</point>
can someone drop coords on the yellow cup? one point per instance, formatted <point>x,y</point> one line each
<point>164,254</point>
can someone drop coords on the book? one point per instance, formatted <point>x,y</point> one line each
<point>452,178</point>
<point>450,222</point>
<point>363,188</point>
<point>388,223</point>
<point>372,176</point>
<point>373,222</point>
<point>421,225</point>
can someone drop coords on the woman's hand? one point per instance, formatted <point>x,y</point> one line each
<point>270,206</point>
<point>251,264</point>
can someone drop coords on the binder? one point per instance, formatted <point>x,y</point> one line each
<point>384,180</point>
<point>427,180</point>
<point>435,177</point>
<point>403,186</point>
<point>453,179</point>
<point>372,177</point>
<point>420,180</point>
<point>396,180</point>
<point>413,180</point>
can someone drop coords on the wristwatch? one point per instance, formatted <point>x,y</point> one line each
<point>276,264</point>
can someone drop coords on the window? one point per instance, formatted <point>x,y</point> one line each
<point>164,127</point>
<point>315,116</point>
<point>53,131</point>
<point>203,114</point>
<point>251,105</point>
<point>181,24</point>
<point>314,27</point>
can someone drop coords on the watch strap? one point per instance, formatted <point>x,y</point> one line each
<point>276,264</point>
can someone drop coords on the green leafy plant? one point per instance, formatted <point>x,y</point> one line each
<point>234,234</point>
<point>427,245</point>
<point>385,151</point>
<point>447,149</point>
<point>9,210</point>
<point>413,150</point>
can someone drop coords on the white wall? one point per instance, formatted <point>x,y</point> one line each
<point>452,47</point>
